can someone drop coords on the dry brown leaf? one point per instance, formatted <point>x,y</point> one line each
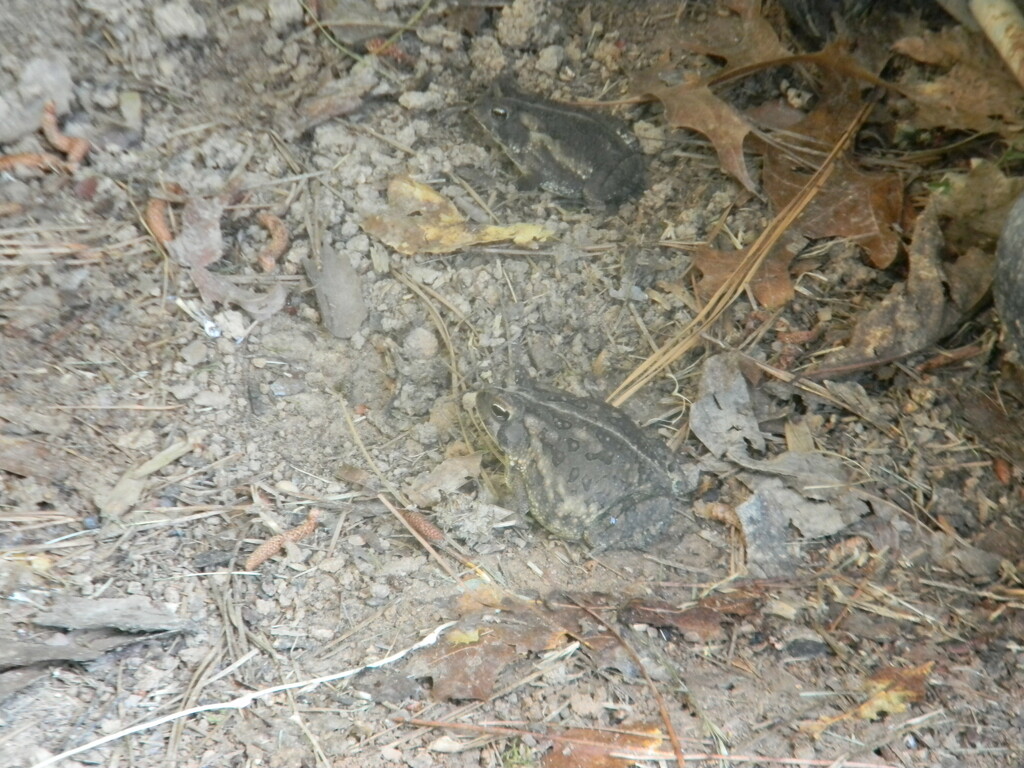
<point>939,49</point>
<point>771,284</point>
<point>497,629</point>
<point>483,596</point>
<point>691,104</point>
<point>591,748</point>
<point>743,39</point>
<point>696,623</point>
<point>976,93</point>
<point>200,244</point>
<point>976,204</point>
<point>445,478</point>
<point>469,671</point>
<point>468,664</point>
<point>920,311</point>
<point>891,691</point>
<point>853,204</point>
<point>422,221</point>
<point>747,42</point>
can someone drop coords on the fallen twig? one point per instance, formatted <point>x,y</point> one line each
<point>247,699</point>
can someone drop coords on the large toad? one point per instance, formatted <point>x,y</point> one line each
<point>564,149</point>
<point>583,469</point>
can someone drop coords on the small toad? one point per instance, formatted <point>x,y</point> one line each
<point>583,469</point>
<point>563,149</point>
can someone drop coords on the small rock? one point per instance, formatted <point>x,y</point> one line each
<point>194,353</point>
<point>284,13</point>
<point>40,80</point>
<point>130,105</point>
<point>287,387</point>
<point>420,344</point>
<point>179,19</point>
<point>249,15</point>
<point>518,22</point>
<point>421,100</point>
<point>550,59</point>
<point>486,57</point>
<point>651,136</point>
<point>209,398</point>
<point>332,565</point>
<point>184,391</point>
<point>46,80</point>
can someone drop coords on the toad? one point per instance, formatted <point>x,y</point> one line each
<point>566,150</point>
<point>583,469</point>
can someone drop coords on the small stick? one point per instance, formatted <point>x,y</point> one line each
<point>247,699</point>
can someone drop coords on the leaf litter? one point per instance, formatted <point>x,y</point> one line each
<point>420,220</point>
<point>199,245</point>
<point>927,307</point>
<point>779,481</point>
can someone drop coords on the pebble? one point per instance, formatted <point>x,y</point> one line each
<point>194,353</point>
<point>40,79</point>
<point>179,19</point>
<point>550,59</point>
<point>284,13</point>
<point>46,79</point>
<point>184,391</point>
<point>421,100</point>
<point>420,344</point>
<point>209,398</point>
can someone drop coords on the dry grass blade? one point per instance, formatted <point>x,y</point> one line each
<point>246,699</point>
<point>690,335</point>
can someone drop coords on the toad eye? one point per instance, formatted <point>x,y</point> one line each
<point>499,112</point>
<point>501,414</point>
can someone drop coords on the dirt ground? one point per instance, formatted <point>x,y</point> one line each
<point>151,441</point>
